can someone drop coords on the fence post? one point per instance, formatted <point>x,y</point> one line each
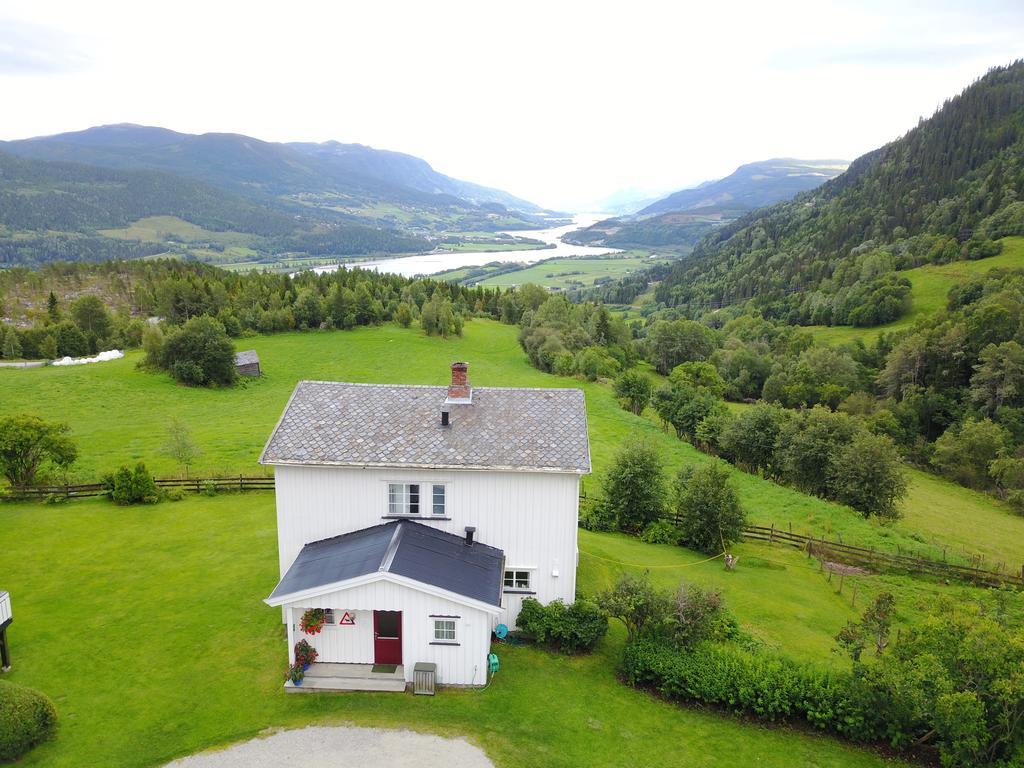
<point>240,487</point>
<point>771,535</point>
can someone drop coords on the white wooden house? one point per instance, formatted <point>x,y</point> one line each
<point>6,617</point>
<point>421,516</point>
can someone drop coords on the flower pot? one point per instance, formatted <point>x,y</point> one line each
<point>296,683</point>
<point>305,667</point>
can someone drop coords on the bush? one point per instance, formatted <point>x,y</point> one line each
<point>661,532</point>
<point>634,488</point>
<point>199,353</point>
<point>700,614</point>
<point>132,486</point>
<point>27,718</point>
<point>570,628</point>
<point>634,390</point>
<point>710,514</point>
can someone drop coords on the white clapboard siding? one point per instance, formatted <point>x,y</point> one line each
<point>5,607</point>
<point>532,516</point>
<point>462,664</point>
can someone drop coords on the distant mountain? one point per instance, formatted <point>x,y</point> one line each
<point>350,173</point>
<point>946,190</point>
<point>73,212</point>
<point>623,202</point>
<point>681,219</point>
<point>751,186</point>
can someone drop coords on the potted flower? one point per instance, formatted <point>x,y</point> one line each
<point>305,654</point>
<point>312,622</point>
<point>295,674</point>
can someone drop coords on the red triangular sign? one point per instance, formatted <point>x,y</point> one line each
<point>348,619</point>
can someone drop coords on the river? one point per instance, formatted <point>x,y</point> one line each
<point>432,263</point>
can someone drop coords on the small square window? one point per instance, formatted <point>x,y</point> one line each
<point>439,500</point>
<point>517,580</point>
<point>444,630</point>
<point>328,616</point>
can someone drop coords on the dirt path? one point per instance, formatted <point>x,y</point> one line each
<point>365,747</point>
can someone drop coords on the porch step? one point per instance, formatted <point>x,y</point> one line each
<point>311,684</point>
<point>323,676</point>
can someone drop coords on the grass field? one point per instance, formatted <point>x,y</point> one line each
<point>146,628</point>
<point>562,273</point>
<point>161,228</point>
<point>929,287</point>
<point>119,414</point>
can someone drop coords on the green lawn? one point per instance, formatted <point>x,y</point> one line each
<point>572,271</point>
<point>118,414</point>
<point>146,628</point>
<point>159,228</point>
<point>929,287</point>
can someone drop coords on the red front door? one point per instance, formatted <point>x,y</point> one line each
<point>387,637</point>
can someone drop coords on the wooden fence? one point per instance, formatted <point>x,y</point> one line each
<point>196,484</point>
<point>819,548</point>
<point>878,560</point>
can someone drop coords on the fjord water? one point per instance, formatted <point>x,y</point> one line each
<point>442,261</point>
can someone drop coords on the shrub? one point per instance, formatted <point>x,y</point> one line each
<point>710,514</point>
<point>635,602</point>
<point>634,488</point>
<point>700,614</point>
<point>132,486</point>
<point>175,494</point>
<point>868,475</point>
<point>570,628</point>
<point>27,718</point>
<point>200,352</point>
<point>305,653</point>
<point>634,390</point>
<point>661,532</point>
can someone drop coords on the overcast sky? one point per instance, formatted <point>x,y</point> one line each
<point>558,102</point>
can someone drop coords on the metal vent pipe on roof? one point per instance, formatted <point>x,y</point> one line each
<point>445,419</point>
<point>470,530</point>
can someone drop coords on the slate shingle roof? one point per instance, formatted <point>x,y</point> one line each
<point>405,548</point>
<point>248,357</point>
<point>384,425</point>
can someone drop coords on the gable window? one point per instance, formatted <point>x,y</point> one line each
<point>444,631</point>
<point>517,581</point>
<point>439,500</point>
<point>403,498</point>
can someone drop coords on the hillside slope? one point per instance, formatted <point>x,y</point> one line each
<point>941,192</point>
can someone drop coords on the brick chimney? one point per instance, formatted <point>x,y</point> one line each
<point>459,390</point>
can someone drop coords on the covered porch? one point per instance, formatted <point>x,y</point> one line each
<point>377,602</point>
<point>331,676</point>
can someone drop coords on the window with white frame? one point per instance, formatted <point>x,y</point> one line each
<point>328,616</point>
<point>444,631</point>
<point>517,580</point>
<point>439,507</point>
<point>403,498</point>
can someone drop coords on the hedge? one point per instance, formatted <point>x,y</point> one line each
<point>27,717</point>
<point>571,628</point>
<point>772,687</point>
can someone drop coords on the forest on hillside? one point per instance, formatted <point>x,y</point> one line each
<point>945,191</point>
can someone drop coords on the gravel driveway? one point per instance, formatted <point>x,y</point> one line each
<point>365,747</point>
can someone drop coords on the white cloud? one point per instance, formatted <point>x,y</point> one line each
<point>561,102</point>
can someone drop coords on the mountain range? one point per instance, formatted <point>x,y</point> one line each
<point>315,199</point>
<point>683,217</point>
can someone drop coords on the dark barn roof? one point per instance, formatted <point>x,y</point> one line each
<point>404,548</point>
<point>340,424</point>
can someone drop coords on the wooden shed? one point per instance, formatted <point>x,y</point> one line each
<point>248,363</point>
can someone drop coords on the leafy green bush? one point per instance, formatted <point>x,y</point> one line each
<point>634,487</point>
<point>27,718</point>
<point>571,628</point>
<point>711,517</point>
<point>132,486</point>
<point>953,681</point>
<point>661,532</point>
<point>700,614</point>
